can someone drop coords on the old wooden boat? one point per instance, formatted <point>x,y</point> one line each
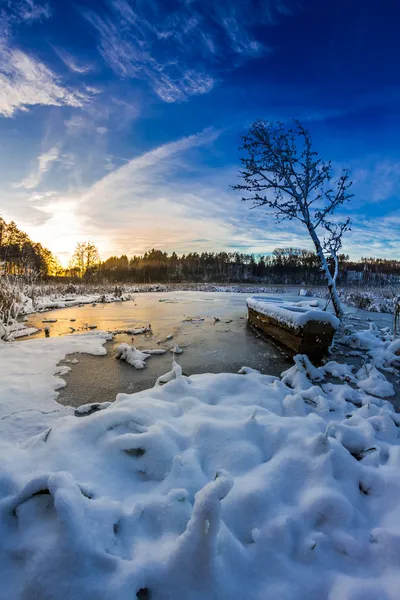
<point>300,329</point>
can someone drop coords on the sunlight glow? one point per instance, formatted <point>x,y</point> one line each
<point>62,231</point>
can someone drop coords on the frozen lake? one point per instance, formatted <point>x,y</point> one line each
<point>208,345</point>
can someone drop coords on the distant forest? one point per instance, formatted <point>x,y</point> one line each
<point>20,256</point>
<point>283,266</point>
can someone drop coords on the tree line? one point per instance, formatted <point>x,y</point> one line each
<point>19,255</point>
<point>283,266</point>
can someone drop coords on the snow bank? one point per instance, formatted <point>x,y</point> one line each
<point>380,348</point>
<point>213,486</point>
<point>44,303</point>
<point>24,332</point>
<point>374,299</point>
<point>29,380</point>
<point>290,314</point>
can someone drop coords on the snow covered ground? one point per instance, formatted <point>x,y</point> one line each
<point>210,486</point>
<point>372,299</point>
<point>30,377</point>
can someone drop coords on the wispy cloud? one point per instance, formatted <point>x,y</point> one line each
<point>72,63</point>
<point>130,56</point>
<point>44,163</point>
<point>177,90</point>
<point>144,40</point>
<point>77,124</point>
<point>119,182</point>
<point>25,81</point>
<point>376,178</point>
<point>17,11</point>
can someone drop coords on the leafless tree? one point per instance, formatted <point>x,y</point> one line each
<point>282,172</point>
<point>86,256</point>
<point>333,242</point>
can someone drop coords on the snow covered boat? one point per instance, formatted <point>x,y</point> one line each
<point>301,329</point>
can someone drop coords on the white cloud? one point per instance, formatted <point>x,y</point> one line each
<point>128,49</point>
<point>44,162</point>
<point>71,62</point>
<point>163,199</point>
<point>156,200</point>
<point>28,10</point>
<point>77,123</point>
<point>26,82</point>
<point>146,41</point>
<point>191,83</point>
<point>120,181</point>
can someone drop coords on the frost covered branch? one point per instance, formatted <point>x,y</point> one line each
<point>333,242</point>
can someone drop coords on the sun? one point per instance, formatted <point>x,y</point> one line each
<point>64,228</point>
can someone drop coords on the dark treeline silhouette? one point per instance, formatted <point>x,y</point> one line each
<point>283,266</point>
<point>19,255</point>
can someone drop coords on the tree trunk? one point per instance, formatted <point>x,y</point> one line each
<point>337,305</point>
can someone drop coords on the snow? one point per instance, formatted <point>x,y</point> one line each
<point>381,300</point>
<point>134,331</point>
<point>43,303</point>
<point>29,380</point>
<point>135,357</point>
<point>374,382</point>
<point>24,332</point>
<point>176,349</point>
<point>362,340</point>
<point>340,370</point>
<point>290,314</point>
<point>209,486</point>
<point>379,347</point>
<point>14,330</point>
<point>304,292</point>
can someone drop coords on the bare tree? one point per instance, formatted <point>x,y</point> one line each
<point>333,242</point>
<point>86,256</point>
<point>283,172</point>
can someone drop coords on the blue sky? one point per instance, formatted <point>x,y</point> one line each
<point>120,119</point>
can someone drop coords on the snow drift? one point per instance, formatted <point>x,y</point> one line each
<point>212,486</point>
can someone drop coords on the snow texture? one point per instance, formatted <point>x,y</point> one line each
<point>135,357</point>
<point>24,332</point>
<point>211,486</point>
<point>289,314</point>
<point>176,349</point>
<point>30,379</point>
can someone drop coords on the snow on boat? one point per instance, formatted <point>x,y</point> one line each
<point>301,329</point>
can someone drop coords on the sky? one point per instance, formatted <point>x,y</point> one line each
<point>120,120</point>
